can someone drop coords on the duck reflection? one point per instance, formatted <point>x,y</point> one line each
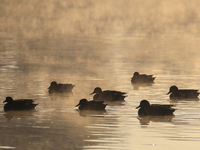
<point>146,120</point>
<point>92,113</point>
<point>19,114</point>
<point>176,101</point>
<point>136,86</point>
<point>55,96</point>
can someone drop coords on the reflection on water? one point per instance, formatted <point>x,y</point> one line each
<point>56,96</point>
<point>136,86</point>
<point>146,120</point>
<point>19,114</point>
<point>86,113</point>
<point>74,42</point>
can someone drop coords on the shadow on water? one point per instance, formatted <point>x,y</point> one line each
<point>136,86</point>
<point>147,120</point>
<point>19,114</point>
<point>56,96</point>
<point>90,113</point>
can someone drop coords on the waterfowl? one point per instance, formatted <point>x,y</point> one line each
<point>60,88</point>
<point>112,96</point>
<point>154,109</point>
<point>20,104</point>
<point>84,104</point>
<point>177,94</point>
<point>142,78</point>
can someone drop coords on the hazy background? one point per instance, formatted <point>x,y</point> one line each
<point>98,43</point>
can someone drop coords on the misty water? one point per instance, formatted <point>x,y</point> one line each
<point>98,44</point>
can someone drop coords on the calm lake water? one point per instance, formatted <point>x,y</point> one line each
<point>98,43</point>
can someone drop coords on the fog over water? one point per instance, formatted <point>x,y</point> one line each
<point>98,43</point>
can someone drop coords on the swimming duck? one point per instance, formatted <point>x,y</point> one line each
<point>108,95</point>
<point>20,104</point>
<point>60,88</point>
<point>142,78</point>
<point>154,109</point>
<point>177,94</point>
<point>84,104</point>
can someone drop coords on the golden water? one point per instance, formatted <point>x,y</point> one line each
<point>98,43</point>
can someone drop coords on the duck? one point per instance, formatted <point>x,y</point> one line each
<point>176,94</point>
<point>142,78</point>
<point>60,88</point>
<point>84,104</point>
<point>154,109</point>
<point>108,95</point>
<point>20,104</point>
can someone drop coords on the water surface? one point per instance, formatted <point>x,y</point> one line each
<point>74,42</point>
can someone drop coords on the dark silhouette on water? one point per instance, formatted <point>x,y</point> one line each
<point>154,109</point>
<point>146,120</point>
<point>19,114</point>
<point>91,105</point>
<point>60,88</point>
<point>187,94</point>
<point>20,104</point>
<point>142,79</point>
<point>112,96</point>
<point>92,113</point>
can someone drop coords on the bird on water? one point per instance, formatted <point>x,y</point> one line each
<point>154,109</point>
<point>84,104</point>
<point>181,94</point>
<point>142,78</point>
<point>60,88</point>
<point>108,95</point>
<point>20,104</point>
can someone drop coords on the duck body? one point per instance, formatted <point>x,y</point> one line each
<point>20,104</point>
<point>108,95</point>
<point>60,88</point>
<point>176,94</point>
<point>91,105</point>
<point>154,109</point>
<point>142,79</point>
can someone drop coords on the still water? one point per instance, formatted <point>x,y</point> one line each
<point>98,43</point>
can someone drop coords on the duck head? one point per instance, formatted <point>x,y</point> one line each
<point>96,90</point>
<point>172,89</point>
<point>82,102</point>
<point>143,103</point>
<point>8,100</point>
<point>136,74</point>
<point>53,84</point>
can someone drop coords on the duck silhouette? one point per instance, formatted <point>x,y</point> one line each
<point>84,104</point>
<point>60,88</point>
<point>20,104</point>
<point>154,109</point>
<point>108,95</point>
<point>176,94</point>
<point>142,78</point>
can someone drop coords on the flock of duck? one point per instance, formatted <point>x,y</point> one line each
<point>102,98</point>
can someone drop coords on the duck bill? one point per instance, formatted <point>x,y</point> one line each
<point>92,93</point>
<point>4,101</point>
<point>77,105</point>
<point>137,107</point>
